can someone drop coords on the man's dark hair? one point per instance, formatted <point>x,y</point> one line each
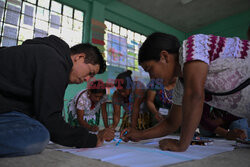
<point>155,43</point>
<point>93,55</point>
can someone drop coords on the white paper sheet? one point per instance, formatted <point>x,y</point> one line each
<point>147,153</point>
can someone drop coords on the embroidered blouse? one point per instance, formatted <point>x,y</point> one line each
<point>229,66</point>
<point>163,99</point>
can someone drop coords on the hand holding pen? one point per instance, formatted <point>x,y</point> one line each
<point>105,135</point>
<point>121,139</point>
<point>131,134</point>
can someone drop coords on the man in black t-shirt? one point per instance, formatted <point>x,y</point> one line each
<point>33,79</point>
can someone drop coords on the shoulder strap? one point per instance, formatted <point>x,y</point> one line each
<point>79,97</point>
<point>241,86</point>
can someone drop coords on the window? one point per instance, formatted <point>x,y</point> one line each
<point>121,49</point>
<point>26,19</point>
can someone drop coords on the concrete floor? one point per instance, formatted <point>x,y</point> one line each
<point>51,158</point>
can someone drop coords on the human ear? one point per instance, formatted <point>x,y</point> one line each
<point>82,56</point>
<point>164,56</point>
<point>79,56</point>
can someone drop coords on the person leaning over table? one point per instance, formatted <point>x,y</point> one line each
<point>203,62</point>
<point>33,79</point>
<point>83,109</point>
<point>130,95</point>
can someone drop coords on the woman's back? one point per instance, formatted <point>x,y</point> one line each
<point>229,62</point>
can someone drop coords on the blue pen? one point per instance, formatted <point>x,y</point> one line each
<point>121,139</point>
<point>203,139</point>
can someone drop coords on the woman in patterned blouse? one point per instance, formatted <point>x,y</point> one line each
<point>203,62</point>
<point>83,109</point>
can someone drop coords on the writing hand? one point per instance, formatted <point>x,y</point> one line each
<point>236,133</point>
<point>107,134</point>
<point>132,134</point>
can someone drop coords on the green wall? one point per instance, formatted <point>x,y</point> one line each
<point>236,25</point>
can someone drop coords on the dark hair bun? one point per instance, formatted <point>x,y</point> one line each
<point>126,75</point>
<point>129,72</point>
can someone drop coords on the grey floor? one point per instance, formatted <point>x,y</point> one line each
<point>51,158</point>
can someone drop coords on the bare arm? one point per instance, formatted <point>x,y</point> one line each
<point>82,122</point>
<point>221,131</point>
<point>105,115</point>
<point>139,93</point>
<point>151,106</point>
<point>117,111</point>
<point>150,101</point>
<point>166,127</point>
<point>195,74</point>
<point>231,134</point>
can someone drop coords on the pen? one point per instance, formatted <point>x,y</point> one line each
<point>206,139</point>
<point>201,138</point>
<point>121,139</point>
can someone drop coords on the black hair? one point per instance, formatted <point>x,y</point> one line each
<point>155,43</point>
<point>97,86</point>
<point>93,55</point>
<point>124,80</point>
